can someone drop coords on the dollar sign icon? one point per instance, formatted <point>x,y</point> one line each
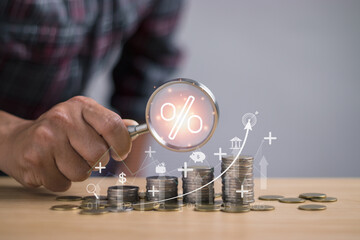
<point>122,178</point>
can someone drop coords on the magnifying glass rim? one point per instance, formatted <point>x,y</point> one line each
<point>201,87</point>
<point>87,188</point>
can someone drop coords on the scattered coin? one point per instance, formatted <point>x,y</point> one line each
<point>91,205</point>
<point>312,207</point>
<point>270,197</point>
<point>292,200</point>
<point>145,206</point>
<point>69,198</point>
<point>233,208</point>
<point>312,195</point>
<point>64,207</point>
<point>96,211</point>
<point>119,209</point>
<point>327,199</point>
<point>262,208</point>
<point>168,208</point>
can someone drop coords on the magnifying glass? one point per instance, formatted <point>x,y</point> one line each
<point>91,188</point>
<point>181,115</point>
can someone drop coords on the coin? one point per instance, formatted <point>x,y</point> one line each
<point>270,197</point>
<point>68,198</point>
<point>210,207</point>
<point>261,207</point>
<point>64,207</point>
<point>197,178</point>
<point>218,195</point>
<point>145,206</point>
<point>312,195</point>
<point>235,208</point>
<point>312,207</point>
<point>142,195</point>
<point>168,208</point>
<point>96,211</point>
<point>93,198</point>
<point>327,199</point>
<point>118,209</point>
<point>90,205</point>
<point>291,200</point>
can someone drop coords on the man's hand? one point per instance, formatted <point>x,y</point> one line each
<point>63,144</point>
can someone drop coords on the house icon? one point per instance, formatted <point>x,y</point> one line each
<point>235,143</point>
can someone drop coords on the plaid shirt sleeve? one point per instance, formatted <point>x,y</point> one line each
<point>50,49</point>
<point>148,58</point>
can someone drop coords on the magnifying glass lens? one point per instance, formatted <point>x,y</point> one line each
<point>181,115</point>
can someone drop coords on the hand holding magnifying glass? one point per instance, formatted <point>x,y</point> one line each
<point>181,115</point>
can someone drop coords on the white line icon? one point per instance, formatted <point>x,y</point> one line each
<point>220,154</point>
<point>100,167</point>
<point>185,169</point>
<point>91,188</point>
<point>270,138</point>
<point>150,152</point>
<point>242,191</point>
<point>153,191</point>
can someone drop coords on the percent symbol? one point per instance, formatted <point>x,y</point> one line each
<point>181,117</point>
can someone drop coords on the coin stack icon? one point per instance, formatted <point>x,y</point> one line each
<point>161,187</point>
<point>196,178</point>
<point>118,195</point>
<point>238,181</point>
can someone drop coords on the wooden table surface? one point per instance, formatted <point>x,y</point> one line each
<point>25,214</point>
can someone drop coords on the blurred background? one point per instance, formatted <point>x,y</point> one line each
<point>295,62</point>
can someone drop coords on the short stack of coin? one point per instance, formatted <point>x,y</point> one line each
<point>197,177</point>
<point>239,177</point>
<point>118,195</point>
<point>161,187</point>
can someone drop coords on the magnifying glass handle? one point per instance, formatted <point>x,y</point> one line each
<point>137,130</point>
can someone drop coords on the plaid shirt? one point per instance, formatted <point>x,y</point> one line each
<point>49,49</point>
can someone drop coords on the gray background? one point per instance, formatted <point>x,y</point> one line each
<point>296,62</point>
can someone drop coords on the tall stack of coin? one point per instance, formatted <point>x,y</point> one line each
<point>238,181</point>
<point>122,194</point>
<point>196,178</point>
<point>161,187</point>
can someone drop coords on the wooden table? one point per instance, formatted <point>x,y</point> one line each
<point>25,214</point>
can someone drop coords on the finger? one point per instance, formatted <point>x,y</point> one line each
<point>53,179</point>
<point>110,126</point>
<point>88,143</point>
<point>70,163</point>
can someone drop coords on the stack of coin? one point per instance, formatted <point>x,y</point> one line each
<point>196,178</point>
<point>161,187</point>
<point>237,181</point>
<point>117,195</point>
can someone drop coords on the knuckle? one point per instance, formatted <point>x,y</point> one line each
<point>59,115</point>
<point>43,134</point>
<point>80,99</point>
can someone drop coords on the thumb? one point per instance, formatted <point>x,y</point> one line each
<point>130,122</point>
